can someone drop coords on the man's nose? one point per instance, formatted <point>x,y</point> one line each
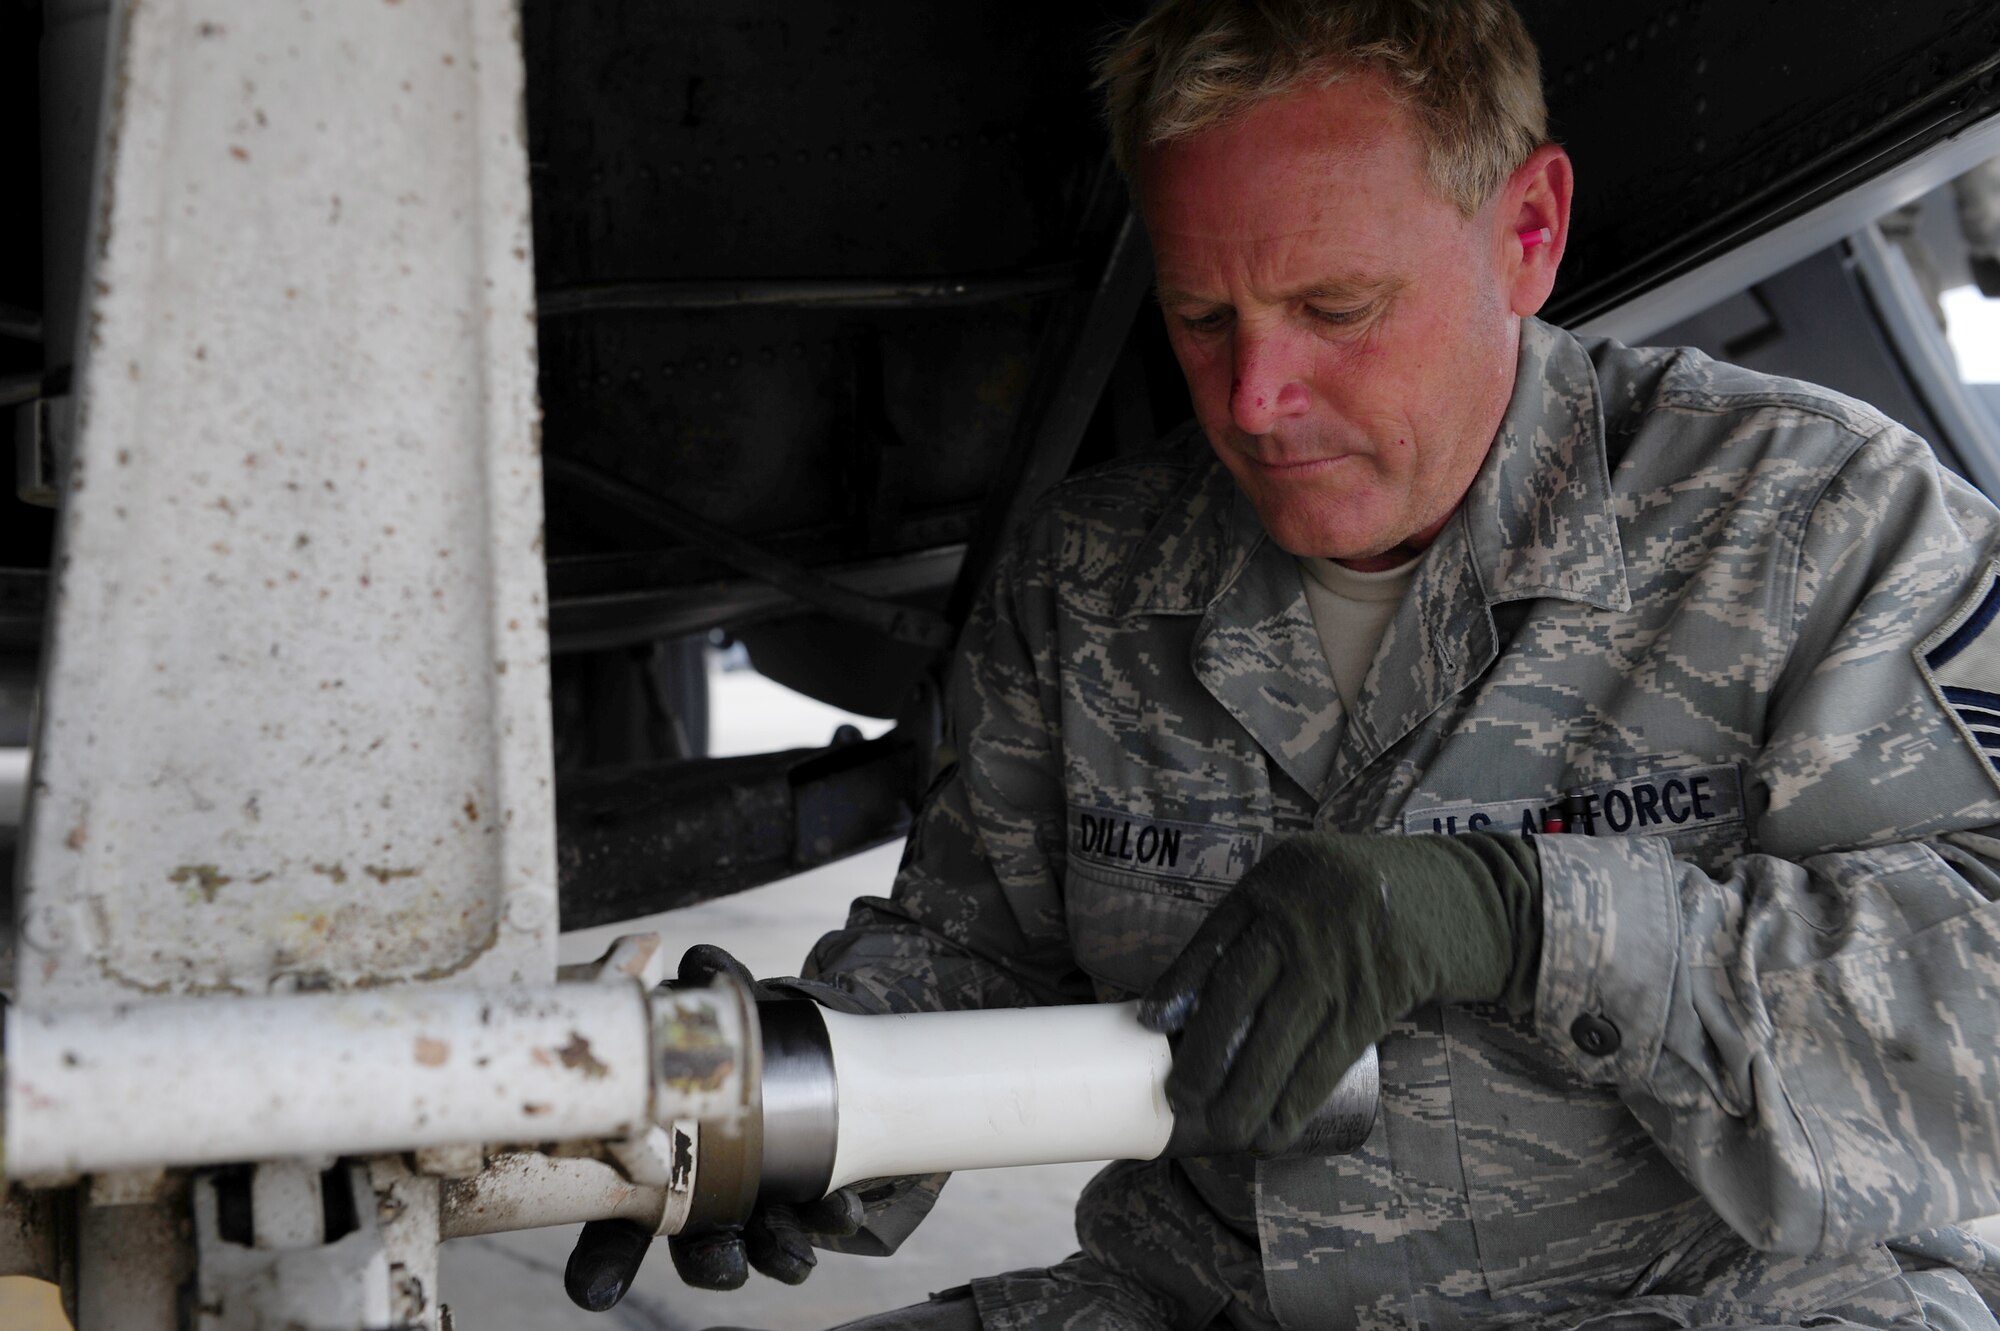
<point>1269,382</point>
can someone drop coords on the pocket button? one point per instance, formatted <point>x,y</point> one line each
<point>1595,1035</point>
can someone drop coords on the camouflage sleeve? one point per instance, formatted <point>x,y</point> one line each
<point>1811,1034</point>
<point>975,919</point>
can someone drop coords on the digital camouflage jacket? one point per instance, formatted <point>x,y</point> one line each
<point>1735,635</point>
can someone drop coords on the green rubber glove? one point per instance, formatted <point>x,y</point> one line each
<point>1324,943</point>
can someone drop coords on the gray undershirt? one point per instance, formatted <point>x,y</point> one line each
<point>1352,611</point>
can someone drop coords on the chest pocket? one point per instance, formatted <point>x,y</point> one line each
<point>1136,888</point>
<point>1125,927</point>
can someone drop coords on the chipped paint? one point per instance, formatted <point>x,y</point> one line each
<point>576,1054</point>
<point>683,1175</point>
<point>525,1189</point>
<point>208,879</point>
<point>639,957</point>
<point>692,1050</point>
<point>694,1071</point>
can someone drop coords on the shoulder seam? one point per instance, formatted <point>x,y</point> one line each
<point>1051,499</point>
<point>1811,404</point>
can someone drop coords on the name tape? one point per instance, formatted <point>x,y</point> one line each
<point>1657,804</point>
<point>1160,846</point>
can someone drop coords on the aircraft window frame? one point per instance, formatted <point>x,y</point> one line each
<point>1971,435</point>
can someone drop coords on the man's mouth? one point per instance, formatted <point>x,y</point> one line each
<point>1297,466</point>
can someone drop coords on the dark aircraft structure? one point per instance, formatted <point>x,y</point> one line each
<point>829,292</point>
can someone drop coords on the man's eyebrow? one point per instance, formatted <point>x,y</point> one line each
<point>1335,289</point>
<point>1355,288</point>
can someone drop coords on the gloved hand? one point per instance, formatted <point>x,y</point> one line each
<point>776,1239</point>
<point>1323,944</point>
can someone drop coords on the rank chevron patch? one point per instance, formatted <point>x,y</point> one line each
<point>1962,662</point>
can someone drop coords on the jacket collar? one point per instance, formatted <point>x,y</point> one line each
<point>1536,522</point>
<point>1538,516</point>
<point>1206,535</point>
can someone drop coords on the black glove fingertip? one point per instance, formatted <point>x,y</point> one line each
<point>604,1263</point>
<point>793,1263</point>
<point>777,1247</point>
<point>1167,1013</point>
<point>838,1215</point>
<point>701,963</point>
<point>711,1261</point>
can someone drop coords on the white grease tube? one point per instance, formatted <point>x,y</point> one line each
<point>928,1092</point>
<point>931,1091</point>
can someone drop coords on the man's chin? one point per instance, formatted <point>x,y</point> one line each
<point>1315,536</point>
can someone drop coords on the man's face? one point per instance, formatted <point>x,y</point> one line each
<point>1347,334</point>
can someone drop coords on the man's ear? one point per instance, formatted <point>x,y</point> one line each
<point>1534,219</point>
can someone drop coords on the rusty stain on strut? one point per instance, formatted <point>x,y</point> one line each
<point>577,1055</point>
<point>692,1052</point>
<point>206,877</point>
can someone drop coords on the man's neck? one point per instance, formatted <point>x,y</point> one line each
<point>1399,554</point>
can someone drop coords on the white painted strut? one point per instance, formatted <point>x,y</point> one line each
<point>194,1081</point>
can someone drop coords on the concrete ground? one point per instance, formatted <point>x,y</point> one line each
<point>986,1222</point>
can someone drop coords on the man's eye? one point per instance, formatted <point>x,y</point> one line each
<point>1209,322</point>
<point>1340,318</point>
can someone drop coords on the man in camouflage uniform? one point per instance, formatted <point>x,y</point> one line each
<point>1717,645</point>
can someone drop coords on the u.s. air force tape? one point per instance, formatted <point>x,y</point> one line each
<point>1161,847</point>
<point>1684,799</point>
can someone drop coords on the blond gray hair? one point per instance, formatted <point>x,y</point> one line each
<point>1465,69</point>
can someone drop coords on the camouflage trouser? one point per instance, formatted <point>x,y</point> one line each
<point>1079,1295</point>
<point>952,1310</point>
<point>1943,1301</point>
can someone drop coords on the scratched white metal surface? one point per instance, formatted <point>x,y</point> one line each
<point>295,721</point>
<point>199,1081</point>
